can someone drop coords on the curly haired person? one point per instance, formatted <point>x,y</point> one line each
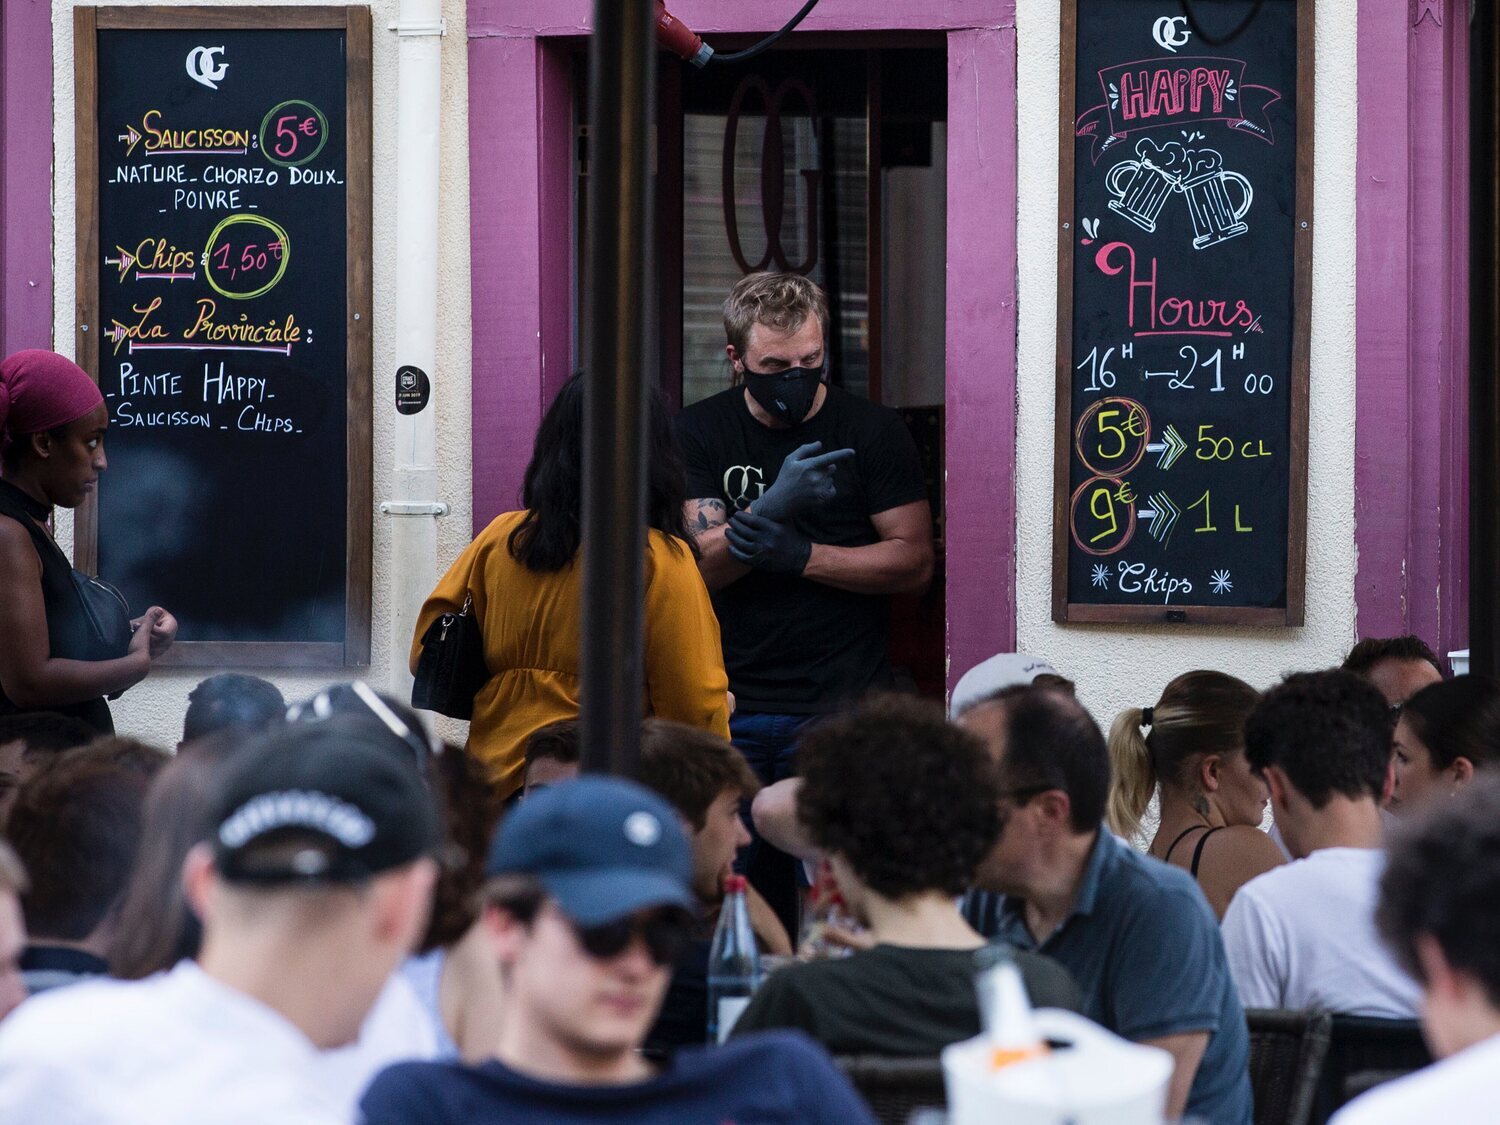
<point>904,804</point>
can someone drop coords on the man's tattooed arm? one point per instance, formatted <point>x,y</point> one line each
<point>705,515</point>
<point>707,520</point>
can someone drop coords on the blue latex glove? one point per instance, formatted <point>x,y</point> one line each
<point>766,544</point>
<point>804,482</point>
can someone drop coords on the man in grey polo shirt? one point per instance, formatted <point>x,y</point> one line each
<point>1137,935</point>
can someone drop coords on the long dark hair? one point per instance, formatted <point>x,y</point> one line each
<point>1457,718</point>
<point>471,809</point>
<point>157,927</point>
<point>549,535</point>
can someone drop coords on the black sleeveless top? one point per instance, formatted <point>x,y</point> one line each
<point>1197,852</point>
<point>67,627</point>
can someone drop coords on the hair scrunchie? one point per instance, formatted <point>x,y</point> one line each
<point>41,390</point>
<point>1147,714</point>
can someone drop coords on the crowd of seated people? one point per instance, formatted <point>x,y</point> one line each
<point>322,914</point>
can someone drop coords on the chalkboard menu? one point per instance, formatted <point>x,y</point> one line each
<point>224,308</point>
<point>1184,262</point>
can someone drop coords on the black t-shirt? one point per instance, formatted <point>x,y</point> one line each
<point>683,1019</point>
<point>792,645</point>
<point>893,1000</point>
<point>763,1080</point>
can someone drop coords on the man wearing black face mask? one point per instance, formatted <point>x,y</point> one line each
<point>809,511</point>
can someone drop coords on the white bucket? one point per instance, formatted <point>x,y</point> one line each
<point>1459,662</point>
<point>1096,1079</point>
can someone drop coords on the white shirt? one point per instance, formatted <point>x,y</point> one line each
<point>176,1049</point>
<point>1303,936</point>
<point>399,1028</point>
<point>1459,1090</point>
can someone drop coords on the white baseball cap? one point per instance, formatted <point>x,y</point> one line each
<point>1001,671</point>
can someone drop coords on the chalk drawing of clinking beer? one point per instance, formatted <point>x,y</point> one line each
<point>1141,187</point>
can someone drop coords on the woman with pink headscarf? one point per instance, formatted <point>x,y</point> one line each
<point>52,658</point>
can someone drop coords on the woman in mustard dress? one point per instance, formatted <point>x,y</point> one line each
<point>524,575</point>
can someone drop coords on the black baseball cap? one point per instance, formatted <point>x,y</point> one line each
<point>602,847</point>
<point>321,804</point>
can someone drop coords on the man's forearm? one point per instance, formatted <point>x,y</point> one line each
<point>1186,1050</point>
<point>892,566</point>
<point>718,567</point>
<point>774,811</point>
<point>706,520</point>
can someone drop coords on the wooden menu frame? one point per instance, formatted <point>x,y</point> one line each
<point>1293,614</point>
<point>354,651</point>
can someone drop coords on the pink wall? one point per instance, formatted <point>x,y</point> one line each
<point>572,17</point>
<point>1411,474</point>
<point>521,200</point>
<point>981,359</point>
<point>519,253</point>
<point>1411,471</point>
<point>25,175</point>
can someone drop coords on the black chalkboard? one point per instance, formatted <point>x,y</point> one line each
<point>1182,335</point>
<point>226,331</point>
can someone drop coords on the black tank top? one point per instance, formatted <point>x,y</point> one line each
<point>66,624</point>
<point>1197,852</point>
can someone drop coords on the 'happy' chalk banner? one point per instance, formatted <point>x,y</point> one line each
<point>1159,94</point>
<point>1185,237</point>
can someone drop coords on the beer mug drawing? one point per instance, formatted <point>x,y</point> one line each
<point>1206,186</point>
<point>1142,197</point>
<point>1140,187</point>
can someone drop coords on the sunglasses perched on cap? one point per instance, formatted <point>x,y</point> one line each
<point>332,701</point>
<point>666,933</point>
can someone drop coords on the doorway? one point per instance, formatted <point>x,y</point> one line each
<point>830,162</point>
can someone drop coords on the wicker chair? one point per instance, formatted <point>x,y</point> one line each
<point>1361,1049</point>
<point>1286,1057</point>
<point>894,1087</point>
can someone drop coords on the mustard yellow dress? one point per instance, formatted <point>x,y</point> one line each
<point>532,624</point>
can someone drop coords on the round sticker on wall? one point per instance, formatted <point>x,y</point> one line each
<point>413,390</point>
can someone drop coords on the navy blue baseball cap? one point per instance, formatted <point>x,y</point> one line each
<point>602,847</point>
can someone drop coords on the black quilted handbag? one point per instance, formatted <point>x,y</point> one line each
<point>451,669</point>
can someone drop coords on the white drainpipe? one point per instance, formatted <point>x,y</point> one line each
<point>414,509</point>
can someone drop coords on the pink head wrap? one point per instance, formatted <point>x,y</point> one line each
<point>41,390</point>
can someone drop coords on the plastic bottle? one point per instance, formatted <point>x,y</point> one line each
<point>1005,1009</point>
<point>826,910</point>
<point>733,962</point>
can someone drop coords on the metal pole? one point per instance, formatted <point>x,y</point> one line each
<point>622,98</point>
<point>1484,336</point>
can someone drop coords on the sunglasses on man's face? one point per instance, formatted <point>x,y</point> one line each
<point>665,932</point>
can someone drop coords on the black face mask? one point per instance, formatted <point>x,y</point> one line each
<point>787,395</point>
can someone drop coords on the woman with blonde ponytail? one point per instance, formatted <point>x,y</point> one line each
<point>1190,746</point>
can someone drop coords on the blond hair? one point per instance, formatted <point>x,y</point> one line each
<point>1198,713</point>
<point>782,301</point>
